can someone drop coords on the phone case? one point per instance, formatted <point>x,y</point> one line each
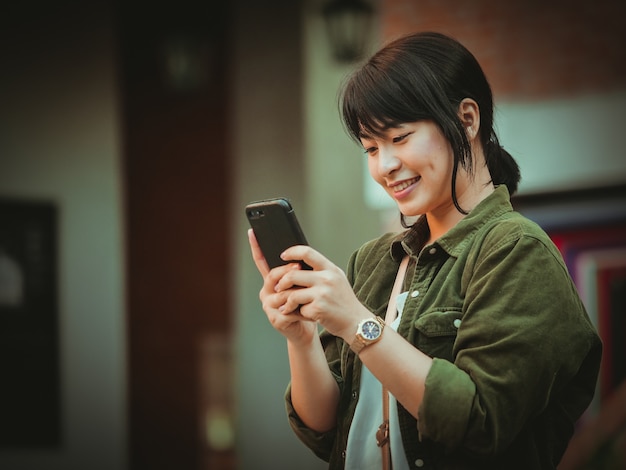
<point>276,228</point>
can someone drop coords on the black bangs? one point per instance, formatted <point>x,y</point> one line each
<point>375,100</point>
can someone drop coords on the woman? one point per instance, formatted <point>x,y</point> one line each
<point>494,358</point>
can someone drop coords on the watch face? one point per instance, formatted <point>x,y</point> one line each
<point>371,329</point>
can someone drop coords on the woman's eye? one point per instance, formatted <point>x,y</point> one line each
<point>400,138</point>
<point>370,150</point>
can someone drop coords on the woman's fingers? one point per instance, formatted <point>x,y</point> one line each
<point>292,306</point>
<point>288,321</point>
<point>257,255</point>
<point>296,253</point>
<point>305,253</point>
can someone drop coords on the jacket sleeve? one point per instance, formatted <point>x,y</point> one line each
<point>525,345</point>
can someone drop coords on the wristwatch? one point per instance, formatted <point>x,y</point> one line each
<point>368,332</point>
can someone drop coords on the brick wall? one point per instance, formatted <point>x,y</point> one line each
<point>529,49</point>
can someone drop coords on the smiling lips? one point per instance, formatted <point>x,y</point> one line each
<point>404,184</point>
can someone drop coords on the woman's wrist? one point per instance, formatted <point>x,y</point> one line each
<point>302,342</point>
<point>348,332</point>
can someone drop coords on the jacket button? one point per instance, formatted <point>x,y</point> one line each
<point>419,463</point>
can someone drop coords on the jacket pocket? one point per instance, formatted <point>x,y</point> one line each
<point>437,330</point>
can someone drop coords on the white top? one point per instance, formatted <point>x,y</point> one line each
<point>362,452</point>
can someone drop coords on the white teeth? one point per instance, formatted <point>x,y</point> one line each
<point>405,184</point>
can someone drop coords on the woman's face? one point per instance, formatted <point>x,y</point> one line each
<point>413,163</point>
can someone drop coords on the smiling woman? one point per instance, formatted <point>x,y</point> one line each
<point>476,369</point>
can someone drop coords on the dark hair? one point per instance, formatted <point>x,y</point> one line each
<point>426,76</point>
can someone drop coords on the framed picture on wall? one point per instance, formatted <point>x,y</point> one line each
<point>29,328</point>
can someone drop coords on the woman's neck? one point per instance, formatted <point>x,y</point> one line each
<point>441,222</point>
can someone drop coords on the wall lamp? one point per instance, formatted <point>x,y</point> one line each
<point>348,24</point>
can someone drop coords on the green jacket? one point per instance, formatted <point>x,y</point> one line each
<point>516,357</point>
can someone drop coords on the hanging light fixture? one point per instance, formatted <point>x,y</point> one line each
<point>348,24</point>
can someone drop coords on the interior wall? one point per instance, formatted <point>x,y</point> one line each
<point>59,143</point>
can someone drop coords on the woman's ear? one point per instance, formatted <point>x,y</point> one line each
<point>469,113</point>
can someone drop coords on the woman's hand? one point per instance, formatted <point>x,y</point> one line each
<point>314,390</point>
<point>322,295</point>
<point>287,321</point>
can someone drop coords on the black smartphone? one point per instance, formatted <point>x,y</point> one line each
<point>276,228</point>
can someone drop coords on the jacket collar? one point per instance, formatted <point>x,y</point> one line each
<point>412,240</point>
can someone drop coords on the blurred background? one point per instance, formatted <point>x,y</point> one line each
<point>133,133</point>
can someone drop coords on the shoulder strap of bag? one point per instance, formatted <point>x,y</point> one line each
<point>382,435</point>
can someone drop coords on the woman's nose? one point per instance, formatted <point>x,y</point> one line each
<point>388,162</point>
